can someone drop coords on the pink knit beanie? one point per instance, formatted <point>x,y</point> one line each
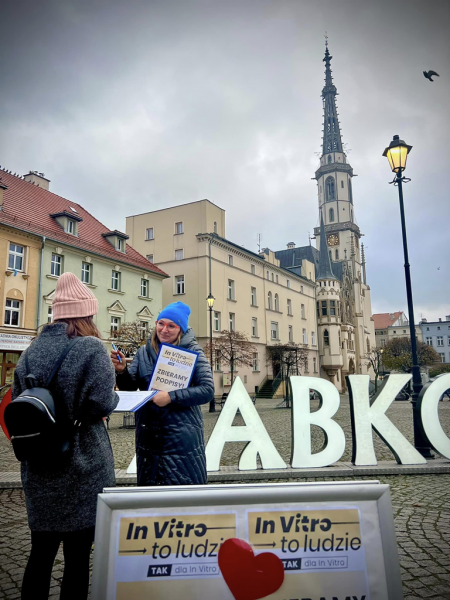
<point>73,299</point>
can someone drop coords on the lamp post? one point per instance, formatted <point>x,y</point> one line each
<point>397,153</point>
<point>210,301</point>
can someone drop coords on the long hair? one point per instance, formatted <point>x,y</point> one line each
<point>80,327</point>
<point>155,340</point>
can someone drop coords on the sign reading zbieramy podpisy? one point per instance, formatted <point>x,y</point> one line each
<point>173,369</point>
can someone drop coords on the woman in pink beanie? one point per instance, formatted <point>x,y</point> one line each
<point>61,494</point>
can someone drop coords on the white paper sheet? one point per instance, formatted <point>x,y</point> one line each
<point>131,401</point>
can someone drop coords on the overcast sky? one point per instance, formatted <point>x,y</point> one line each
<point>139,105</point>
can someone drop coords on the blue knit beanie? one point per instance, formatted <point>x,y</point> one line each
<point>178,312</point>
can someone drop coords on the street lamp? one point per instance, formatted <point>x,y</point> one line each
<point>397,154</point>
<point>210,302</point>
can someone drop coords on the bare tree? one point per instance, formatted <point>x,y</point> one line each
<point>375,359</point>
<point>131,336</point>
<point>232,348</point>
<point>291,359</point>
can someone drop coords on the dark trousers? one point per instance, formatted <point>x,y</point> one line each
<point>44,546</point>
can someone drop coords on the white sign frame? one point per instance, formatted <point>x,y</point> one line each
<point>371,497</point>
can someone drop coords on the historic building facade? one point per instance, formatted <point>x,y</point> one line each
<point>345,325</point>
<point>253,293</point>
<point>43,235</point>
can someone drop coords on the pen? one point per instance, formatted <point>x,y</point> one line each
<point>118,355</point>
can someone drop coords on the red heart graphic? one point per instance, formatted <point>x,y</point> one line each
<point>249,577</point>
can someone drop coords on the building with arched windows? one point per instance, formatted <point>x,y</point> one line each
<point>344,314</point>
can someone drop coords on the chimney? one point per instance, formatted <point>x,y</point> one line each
<point>424,321</point>
<point>38,179</point>
<point>447,318</point>
<point>440,320</point>
<point>291,245</point>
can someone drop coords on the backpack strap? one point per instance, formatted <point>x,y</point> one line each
<point>58,363</point>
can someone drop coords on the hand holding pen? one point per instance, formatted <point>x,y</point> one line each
<point>118,359</point>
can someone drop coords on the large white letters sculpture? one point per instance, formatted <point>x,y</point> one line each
<point>429,402</point>
<point>252,432</point>
<point>303,419</point>
<point>365,416</point>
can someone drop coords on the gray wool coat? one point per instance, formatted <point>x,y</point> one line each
<point>63,497</point>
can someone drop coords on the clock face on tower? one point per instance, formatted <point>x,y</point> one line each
<point>333,239</point>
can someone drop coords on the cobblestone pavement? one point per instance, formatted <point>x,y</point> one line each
<point>420,503</point>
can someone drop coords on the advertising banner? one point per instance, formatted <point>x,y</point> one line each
<point>329,542</point>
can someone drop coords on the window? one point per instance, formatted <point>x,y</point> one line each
<point>428,329</point>
<point>150,257</point>
<point>56,265</point>
<point>71,226</point>
<point>231,320</point>
<point>291,334</point>
<point>269,300</point>
<point>289,307</point>
<point>429,341</point>
<point>267,274</point>
<point>315,365</point>
<point>255,362</point>
<point>179,254</point>
<point>254,327</point>
<point>144,288</point>
<point>288,283</point>
<point>301,289</point>
<point>115,281</point>
<point>383,343</point>
<point>215,226</point>
<point>313,338</point>
<point>326,338</point>
<point>318,310</point>
<point>442,355</point>
<point>50,314</point>
<point>440,340</point>
<point>230,289</point>
<point>272,276</point>
<point>230,260</point>
<point>324,308</point>
<point>438,328</point>
<point>277,303</point>
<point>273,330</point>
<point>143,330</point>
<point>149,234</point>
<point>12,313</point>
<point>350,191</point>
<point>253,296</point>
<point>276,278</point>
<point>86,272</point>
<point>329,159</point>
<point>178,228</point>
<point>252,269</point>
<point>115,324</point>
<point>217,361</point>
<point>303,311</point>
<point>404,331</point>
<point>333,308</point>
<point>305,336</point>
<point>16,255</point>
<point>216,321</point>
<point>329,187</point>
<point>336,254</point>
<point>331,215</point>
<point>342,184</point>
<point>120,245</point>
<point>179,284</point>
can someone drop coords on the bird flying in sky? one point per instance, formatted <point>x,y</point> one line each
<point>429,74</point>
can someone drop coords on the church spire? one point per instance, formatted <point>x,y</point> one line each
<point>331,133</point>
<point>324,271</point>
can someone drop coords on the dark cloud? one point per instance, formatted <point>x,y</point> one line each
<point>139,105</point>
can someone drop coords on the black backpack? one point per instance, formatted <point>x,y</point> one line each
<point>31,418</point>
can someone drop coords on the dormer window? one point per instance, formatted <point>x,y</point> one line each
<point>117,239</point>
<point>68,221</point>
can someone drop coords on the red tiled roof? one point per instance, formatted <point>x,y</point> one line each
<point>28,207</point>
<point>384,320</point>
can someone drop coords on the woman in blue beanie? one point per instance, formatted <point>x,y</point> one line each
<point>170,445</point>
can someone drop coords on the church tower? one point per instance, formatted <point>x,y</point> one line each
<point>334,182</point>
